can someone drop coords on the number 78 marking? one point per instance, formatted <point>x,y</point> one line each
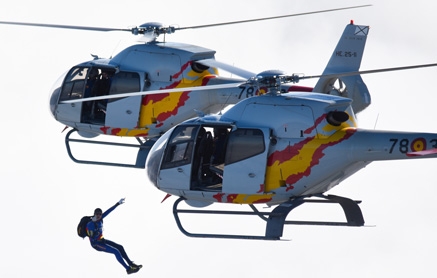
<point>418,144</point>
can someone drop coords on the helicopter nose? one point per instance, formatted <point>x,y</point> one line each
<point>54,100</point>
<point>153,161</point>
<point>54,94</point>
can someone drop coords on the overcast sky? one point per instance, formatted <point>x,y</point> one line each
<point>44,194</point>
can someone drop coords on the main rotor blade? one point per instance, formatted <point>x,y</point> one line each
<point>352,73</point>
<point>104,29</point>
<point>268,18</point>
<point>87,28</point>
<point>154,92</point>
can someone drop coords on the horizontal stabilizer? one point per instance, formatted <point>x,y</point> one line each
<point>423,153</point>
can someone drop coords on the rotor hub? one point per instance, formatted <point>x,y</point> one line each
<point>272,80</point>
<point>153,29</point>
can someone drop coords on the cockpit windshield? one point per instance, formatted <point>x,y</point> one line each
<point>74,84</point>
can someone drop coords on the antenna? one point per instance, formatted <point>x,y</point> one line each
<point>376,121</point>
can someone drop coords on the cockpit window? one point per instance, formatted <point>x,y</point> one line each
<point>125,82</point>
<point>180,147</point>
<point>74,84</point>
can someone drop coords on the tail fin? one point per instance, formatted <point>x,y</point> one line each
<point>347,58</point>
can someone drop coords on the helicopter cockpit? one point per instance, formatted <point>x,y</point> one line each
<point>84,81</point>
<point>202,157</point>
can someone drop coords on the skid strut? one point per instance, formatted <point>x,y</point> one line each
<point>276,219</point>
<point>143,151</point>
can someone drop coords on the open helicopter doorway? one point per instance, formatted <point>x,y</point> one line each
<point>216,158</point>
<point>98,83</point>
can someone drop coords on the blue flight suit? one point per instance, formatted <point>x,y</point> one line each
<point>95,233</point>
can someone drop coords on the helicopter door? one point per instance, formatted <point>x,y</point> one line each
<point>245,161</point>
<point>124,112</point>
<point>175,172</point>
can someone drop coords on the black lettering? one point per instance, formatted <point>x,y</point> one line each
<point>395,141</point>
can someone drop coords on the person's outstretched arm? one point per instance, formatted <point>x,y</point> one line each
<point>108,211</point>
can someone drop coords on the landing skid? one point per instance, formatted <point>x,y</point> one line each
<point>276,219</point>
<point>143,151</point>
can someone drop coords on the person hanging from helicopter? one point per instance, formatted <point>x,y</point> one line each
<point>94,230</point>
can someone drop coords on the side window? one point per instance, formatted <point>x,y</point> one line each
<point>244,143</point>
<point>74,84</point>
<point>125,82</point>
<point>180,147</point>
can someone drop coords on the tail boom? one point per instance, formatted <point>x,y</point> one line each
<point>371,145</point>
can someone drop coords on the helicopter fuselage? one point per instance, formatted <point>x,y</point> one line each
<point>142,67</point>
<point>275,148</point>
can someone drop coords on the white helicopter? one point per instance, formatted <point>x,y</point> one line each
<point>283,147</point>
<point>147,88</point>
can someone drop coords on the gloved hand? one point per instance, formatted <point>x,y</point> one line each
<point>121,201</point>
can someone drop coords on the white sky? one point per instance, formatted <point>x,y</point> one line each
<point>44,194</point>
